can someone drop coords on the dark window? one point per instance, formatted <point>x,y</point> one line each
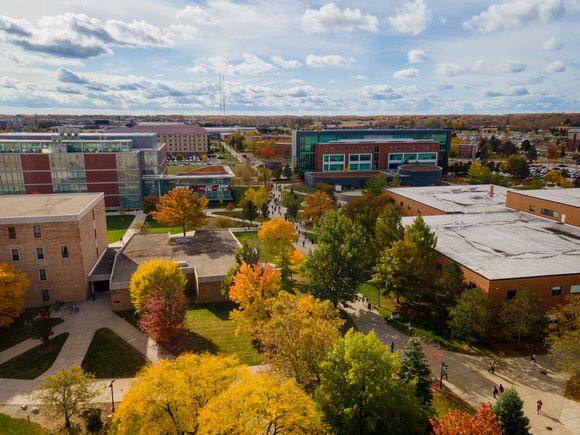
<point>40,253</point>
<point>64,251</point>
<point>556,291</point>
<point>419,210</point>
<point>401,203</point>
<point>438,267</point>
<point>15,254</point>
<point>550,213</point>
<point>45,296</point>
<point>42,274</point>
<point>532,208</point>
<point>36,231</point>
<point>12,232</point>
<point>511,294</point>
<point>392,200</point>
<point>472,285</point>
<point>409,207</point>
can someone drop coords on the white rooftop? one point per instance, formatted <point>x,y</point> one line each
<point>507,245</point>
<point>458,199</point>
<point>563,196</point>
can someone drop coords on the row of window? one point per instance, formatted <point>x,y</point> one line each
<point>15,253</point>
<point>12,232</point>
<point>392,148</point>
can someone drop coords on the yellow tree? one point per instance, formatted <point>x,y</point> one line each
<point>182,207</point>
<point>253,287</point>
<point>295,340</point>
<point>564,334</point>
<point>156,274</point>
<point>168,397</point>
<point>258,197</point>
<point>554,177</point>
<point>316,205</point>
<point>13,286</point>
<point>262,403</point>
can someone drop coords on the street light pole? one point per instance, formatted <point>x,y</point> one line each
<point>112,397</point>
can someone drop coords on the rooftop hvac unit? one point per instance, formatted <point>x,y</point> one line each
<point>476,196</point>
<point>456,190</point>
<point>182,263</point>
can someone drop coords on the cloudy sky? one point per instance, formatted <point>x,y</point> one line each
<point>290,57</point>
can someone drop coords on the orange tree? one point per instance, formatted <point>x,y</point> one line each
<point>13,285</point>
<point>457,422</point>
<point>182,207</point>
<point>316,205</point>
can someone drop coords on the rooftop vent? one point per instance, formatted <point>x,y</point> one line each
<point>456,190</point>
<point>182,263</point>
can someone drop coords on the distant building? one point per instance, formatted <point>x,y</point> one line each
<point>14,124</point>
<point>467,150</point>
<point>573,139</point>
<point>56,240</point>
<point>205,258</point>
<point>187,140</point>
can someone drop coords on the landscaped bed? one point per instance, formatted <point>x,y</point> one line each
<point>34,362</point>
<point>109,356</point>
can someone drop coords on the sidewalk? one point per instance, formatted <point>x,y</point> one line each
<point>469,378</point>
<point>139,217</point>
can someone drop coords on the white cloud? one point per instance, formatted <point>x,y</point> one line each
<point>515,13</point>
<point>443,87</point>
<point>252,65</point>
<point>197,15</point>
<point>296,82</point>
<point>412,89</point>
<point>408,73</point>
<point>449,70</point>
<point>478,66</point>
<point>412,18</point>
<point>511,66</point>
<point>381,92</point>
<point>330,18</point>
<point>518,91</point>
<point>417,56</point>
<point>552,44</point>
<point>286,64</point>
<point>359,77</point>
<point>332,59</point>
<point>556,67</point>
<point>490,94</point>
<point>442,20</point>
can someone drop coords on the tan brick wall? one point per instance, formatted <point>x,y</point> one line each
<point>121,300</point>
<point>408,207</point>
<point>523,203</point>
<point>210,292</point>
<point>67,278</point>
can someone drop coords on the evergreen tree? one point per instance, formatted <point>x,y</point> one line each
<point>287,172</point>
<point>250,211</point>
<point>265,211</point>
<point>414,366</point>
<point>509,411</point>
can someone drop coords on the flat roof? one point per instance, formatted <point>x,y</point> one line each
<point>507,245</point>
<point>210,252</point>
<point>569,197</point>
<point>208,170</point>
<point>457,199</point>
<point>18,209</point>
<point>163,129</point>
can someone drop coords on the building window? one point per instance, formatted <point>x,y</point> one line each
<point>401,203</point>
<point>532,208</point>
<point>64,251</point>
<point>556,291</point>
<point>36,231</point>
<point>11,232</point>
<point>472,285</point>
<point>409,207</point>
<point>438,267</point>
<point>575,289</point>
<point>419,211</point>
<point>550,213</point>
<point>511,294</point>
<point>42,274</point>
<point>15,254</point>
<point>45,296</point>
<point>40,253</point>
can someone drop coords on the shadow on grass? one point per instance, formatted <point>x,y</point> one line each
<point>189,341</point>
<point>16,332</point>
<point>219,309</point>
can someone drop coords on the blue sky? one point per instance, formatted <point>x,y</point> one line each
<point>290,57</point>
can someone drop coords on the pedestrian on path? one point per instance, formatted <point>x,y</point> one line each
<point>392,347</point>
<point>539,406</point>
<point>500,389</point>
<point>388,320</point>
<point>494,391</point>
<point>491,367</point>
<point>93,295</point>
<point>369,305</point>
<point>533,360</point>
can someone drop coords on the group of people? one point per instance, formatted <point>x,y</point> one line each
<point>496,390</point>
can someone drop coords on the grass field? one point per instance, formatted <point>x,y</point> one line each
<point>20,426</point>
<point>252,238</point>
<point>156,227</point>
<point>109,356</point>
<point>117,226</point>
<point>238,214</point>
<point>34,362</point>
<point>294,198</point>
<point>445,399</point>
<point>16,332</point>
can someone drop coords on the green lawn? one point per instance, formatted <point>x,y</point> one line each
<point>16,332</point>
<point>109,356</point>
<point>34,362</point>
<point>20,426</point>
<point>212,331</point>
<point>117,226</point>
<point>302,189</point>
<point>238,214</point>
<point>294,198</point>
<point>156,227</point>
<point>252,238</point>
<point>445,399</point>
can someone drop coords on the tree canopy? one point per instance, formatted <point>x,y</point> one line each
<point>414,367</point>
<point>510,412</point>
<point>457,422</point>
<point>564,334</point>
<point>523,315</point>
<point>182,207</point>
<point>13,286</point>
<point>316,205</point>
<point>470,316</point>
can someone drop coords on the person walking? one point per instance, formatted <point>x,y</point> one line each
<point>392,347</point>
<point>500,389</point>
<point>539,406</point>
<point>494,391</point>
<point>369,306</point>
<point>388,320</point>
<point>93,295</point>
<point>533,360</point>
<point>491,367</point>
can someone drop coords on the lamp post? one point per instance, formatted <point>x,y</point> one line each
<point>112,397</point>
<point>443,373</point>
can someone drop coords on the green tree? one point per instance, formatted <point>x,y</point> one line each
<point>510,412</point>
<point>334,270</point>
<point>155,274</point>
<point>532,153</point>
<point>41,326</point>
<point>326,188</point>
<point>470,316</point>
<point>249,210</point>
<point>388,229</point>
<point>149,204</point>
<point>446,290</point>
<point>182,207</point>
<point>292,210</point>
<point>526,145</point>
<point>414,367</point>
<point>564,334</point>
<point>424,239</point>
<point>265,211</point>
<point>264,175</point>
<point>375,184</point>
<point>287,172</point>
<point>523,315</point>
<point>359,393</point>
<point>277,172</point>
<point>67,392</point>
<point>517,166</point>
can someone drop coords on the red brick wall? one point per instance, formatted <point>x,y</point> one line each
<point>523,203</point>
<point>36,173</point>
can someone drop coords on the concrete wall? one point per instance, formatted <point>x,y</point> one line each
<point>417,175</point>
<point>523,203</point>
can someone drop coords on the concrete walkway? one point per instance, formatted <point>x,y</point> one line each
<point>139,218</point>
<point>469,378</point>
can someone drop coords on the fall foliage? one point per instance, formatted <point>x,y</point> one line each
<point>457,422</point>
<point>278,234</point>
<point>182,207</point>
<point>164,314</point>
<point>316,205</point>
<point>13,286</point>
<point>564,334</point>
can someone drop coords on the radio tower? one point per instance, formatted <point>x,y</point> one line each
<point>222,98</point>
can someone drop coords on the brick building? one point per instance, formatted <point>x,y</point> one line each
<point>573,139</point>
<point>467,150</point>
<point>561,205</point>
<point>55,240</point>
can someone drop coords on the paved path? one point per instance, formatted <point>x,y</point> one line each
<point>469,378</point>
